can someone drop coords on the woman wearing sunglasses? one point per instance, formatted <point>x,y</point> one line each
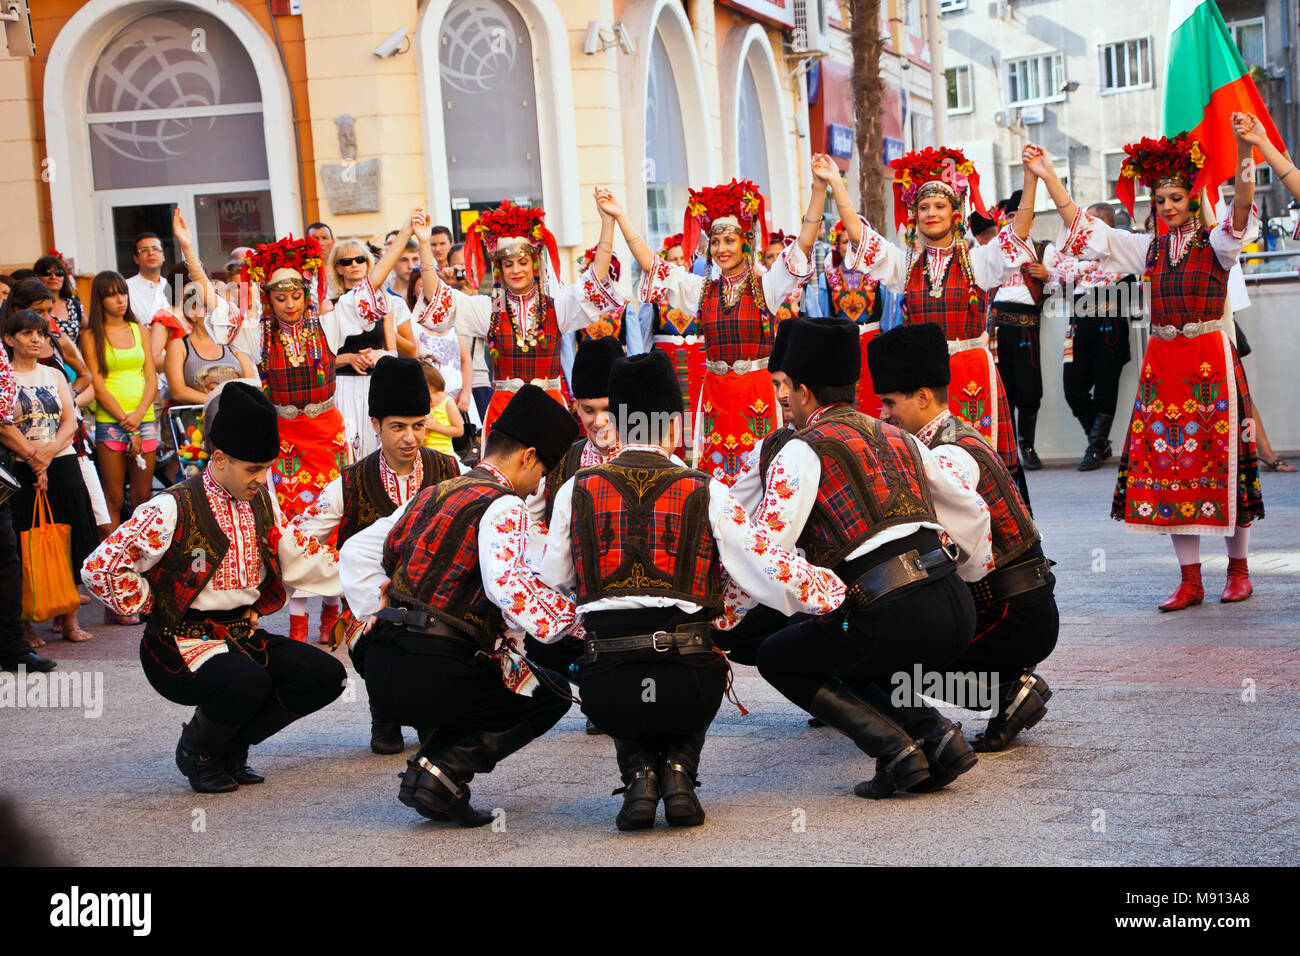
<point>68,313</point>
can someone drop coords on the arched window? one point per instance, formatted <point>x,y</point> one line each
<point>489,106</point>
<point>750,135</point>
<point>665,148</point>
<point>174,113</point>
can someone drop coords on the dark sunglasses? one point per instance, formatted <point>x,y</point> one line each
<point>51,272</point>
<point>355,260</point>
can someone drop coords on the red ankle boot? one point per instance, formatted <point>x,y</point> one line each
<point>298,624</point>
<point>1239,587</point>
<point>329,613</point>
<point>1189,590</point>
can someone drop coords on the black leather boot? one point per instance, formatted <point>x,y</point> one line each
<point>678,780</point>
<point>1028,425</point>
<point>945,747</point>
<point>1022,703</point>
<point>201,755</point>
<point>900,758</point>
<point>385,733</point>
<point>237,764</point>
<point>267,722</point>
<point>639,769</point>
<point>443,768</point>
<point>1099,447</point>
<point>435,795</point>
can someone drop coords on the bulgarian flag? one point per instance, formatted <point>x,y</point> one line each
<point>1206,81</point>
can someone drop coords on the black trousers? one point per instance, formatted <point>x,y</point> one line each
<point>1011,637</point>
<point>233,689</point>
<point>930,623</point>
<point>13,645</point>
<point>1091,379</point>
<point>743,641</point>
<point>558,657</point>
<point>1021,368</point>
<point>426,681</point>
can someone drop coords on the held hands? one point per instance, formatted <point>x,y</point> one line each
<point>1037,270</point>
<point>607,204</point>
<point>824,169</point>
<point>1248,129</point>
<point>421,227</point>
<point>1035,160</point>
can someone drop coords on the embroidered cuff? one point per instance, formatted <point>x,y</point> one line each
<point>371,307</point>
<point>653,286</point>
<point>601,293</point>
<point>433,314</point>
<point>796,263</point>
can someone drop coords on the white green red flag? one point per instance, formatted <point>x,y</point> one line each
<point>1206,81</point>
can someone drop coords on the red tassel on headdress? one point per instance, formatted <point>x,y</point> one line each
<point>474,264</point>
<point>762,224</point>
<point>690,238</point>
<point>1124,192</point>
<point>976,199</point>
<point>548,240</point>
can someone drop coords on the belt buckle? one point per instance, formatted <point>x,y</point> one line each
<point>404,611</point>
<point>741,366</point>
<point>654,642</point>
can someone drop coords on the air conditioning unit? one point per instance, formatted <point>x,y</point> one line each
<point>1000,10</point>
<point>810,29</point>
<point>1002,118</point>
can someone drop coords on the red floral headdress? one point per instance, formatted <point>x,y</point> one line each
<point>615,270</point>
<point>303,256</point>
<point>507,221</point>
<point>67,269</point>
<point>1154,162</point>
<point>779,236</point>
<point>739,198</point>
<point>947,167</point>
<point>669,241</point>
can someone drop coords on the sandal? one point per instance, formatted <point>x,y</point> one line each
<point>33,639</point>
<point>1278,464</point>
<point>120,620</point>
<point>77,635</point>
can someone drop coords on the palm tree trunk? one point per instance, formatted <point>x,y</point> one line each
<point>868,101</point>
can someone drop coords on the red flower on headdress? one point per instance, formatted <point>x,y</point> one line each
<point>669,241</point>
<point>1153,161</point>
<point>301,255</point>
<point>740,198</point>
<point>943,164</point>
<point>507,221</point>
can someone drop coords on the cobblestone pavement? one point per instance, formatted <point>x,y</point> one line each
<point>1171,739</point>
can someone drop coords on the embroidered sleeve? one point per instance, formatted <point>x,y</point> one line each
<point>1226,243</point>
<point>360,568</point>
<point>1116,250</point>
<point>748,487</point>
<point>509,583</point>
<point>763,571</point>
<point>792,480</point>
<point>556,569</point>
<point>603,295</point>
<point>114,572</point>
<point>954,477</point>
<point>306,564</point>
<point>882,260</point>
<point>8,390</point>
<point>673,286</point>
<point>438,312</point>
<point>790,270</point>
<point>588,302</point>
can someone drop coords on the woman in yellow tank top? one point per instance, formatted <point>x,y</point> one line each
<point>444,421</point>
<point>125,382</point>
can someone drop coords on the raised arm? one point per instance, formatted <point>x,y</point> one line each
<point>185,238</point>
<point>1024,220</point>
<point>394,251</point>
<point>825,173</point>
<point>1243,184</point>
<point>1246,126</point>
<point>605,244</point>
<point>1039,164</point>
<point>640,249</point>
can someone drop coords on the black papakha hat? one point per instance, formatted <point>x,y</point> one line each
<point>398,387</point>
<point>244,424</point>
<point>536,420</point>
<point>909,357</point>
<point>822,352</point>
<point>643,384</point>
<point>592,364</point>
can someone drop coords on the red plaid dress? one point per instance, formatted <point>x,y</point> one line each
<point>976,394</point>
<point>526,362</point>
<point>1189,464</point>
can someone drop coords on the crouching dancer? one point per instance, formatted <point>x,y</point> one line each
<point>204,560</point>
<point>646,543</point>
<point>444,577</point>
<point>867,500</point>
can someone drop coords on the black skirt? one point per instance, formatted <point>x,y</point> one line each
<point>69,503</point>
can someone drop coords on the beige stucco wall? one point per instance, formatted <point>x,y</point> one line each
<point>20,167</point>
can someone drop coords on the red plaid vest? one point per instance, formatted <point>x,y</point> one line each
<point>872,479</point>
<point>641,529</point>
<point>364,499</point>
<point>542,360</point>
<point>1014,531</point>
<point>739,331</point>
<point>1192,291</point>
<point>952,310</point>
<point>180,574</point>
<point>431,555</point>
<point>311,382</point>
<point>564,469</point>
<point>853,294</point>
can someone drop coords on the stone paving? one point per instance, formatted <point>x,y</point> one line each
<point>1171,739</point>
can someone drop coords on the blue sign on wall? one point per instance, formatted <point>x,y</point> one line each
<point>893,149</point>
<point>840,139</point>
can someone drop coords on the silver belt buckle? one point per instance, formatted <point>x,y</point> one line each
<point>654,641</point>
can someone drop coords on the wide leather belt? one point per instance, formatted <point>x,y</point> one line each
<point>515,384</point>
<point>688,639</point>
<point>419,622</point>
<point>961,345</point>
<point>1023,319</point>
<point>188,629</point>
<point>739,367</point>
<point>310,411</point>
<point>678,339</point>
<point>1188,330</point>
<point>894,573</point>
<point>1011,582</point>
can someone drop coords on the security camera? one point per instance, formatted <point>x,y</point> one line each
<point>624,40</point>
<point>592,45</point>
<point>393,45</point>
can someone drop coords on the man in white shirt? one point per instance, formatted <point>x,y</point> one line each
<point>147,290</point>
